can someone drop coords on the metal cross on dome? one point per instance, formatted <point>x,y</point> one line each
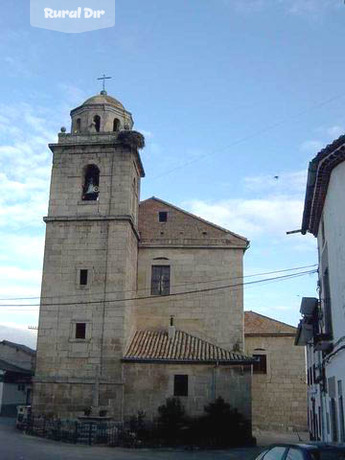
<point>104,78</point>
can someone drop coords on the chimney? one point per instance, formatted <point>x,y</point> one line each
<point>171,328</point>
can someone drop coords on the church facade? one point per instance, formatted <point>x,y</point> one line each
<point>140,301</point>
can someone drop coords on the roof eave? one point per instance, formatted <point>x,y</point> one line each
<point>248,361</point>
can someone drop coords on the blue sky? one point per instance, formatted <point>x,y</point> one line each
<point>229,94</point>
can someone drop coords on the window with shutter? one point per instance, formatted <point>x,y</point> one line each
<point>160,280</point>
<point>260,367</point>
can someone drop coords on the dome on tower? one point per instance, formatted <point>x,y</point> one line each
<point>100,114</point>
<point>103,98</point>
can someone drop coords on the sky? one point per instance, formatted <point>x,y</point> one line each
<point>234,97</point>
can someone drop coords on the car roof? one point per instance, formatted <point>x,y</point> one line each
<point>313,445</point>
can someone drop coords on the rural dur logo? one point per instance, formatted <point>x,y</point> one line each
<point>72,16</point>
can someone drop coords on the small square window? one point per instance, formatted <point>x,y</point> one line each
<point>162,216</point>
<point>80,330</point>
<point>83,277</point>
<point>181,385</point>
<point>260,367</point>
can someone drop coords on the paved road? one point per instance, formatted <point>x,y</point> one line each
<point>17,446</point>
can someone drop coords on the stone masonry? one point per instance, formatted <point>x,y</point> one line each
<point>100,253</point>
<point>279,396</point>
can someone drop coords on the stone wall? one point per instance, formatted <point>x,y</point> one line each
<point>101,237</point>
<point>70,398</point>
<point>205,384</point>
<point>217,315</point>
<point>279,398</point>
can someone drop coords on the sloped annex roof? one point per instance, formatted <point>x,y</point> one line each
<point>182,348</point>
<point>9,367</point>
<point>256,324</point>
<point>319,173</point>
<point>200,219</point>
<point>18,346</point>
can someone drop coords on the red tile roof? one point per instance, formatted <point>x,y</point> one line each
<point>256,324</point>
<point>157,346</point>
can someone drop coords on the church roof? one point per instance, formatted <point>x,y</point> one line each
<point>260,325</point>
<point>182,225</point>
<point>103,98</point>
<point>181,347</point>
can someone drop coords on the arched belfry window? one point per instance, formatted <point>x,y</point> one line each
<point>116,124</point>
<point>78,125</point>
<point>91,183</point>
<point>97,122</point>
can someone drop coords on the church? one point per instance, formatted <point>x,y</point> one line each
<point>140,300</point>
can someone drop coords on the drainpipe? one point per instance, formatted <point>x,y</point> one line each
<point>214,381</point>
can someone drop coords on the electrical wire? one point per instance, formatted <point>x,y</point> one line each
<point>176,285</point>
<point>163,297</point>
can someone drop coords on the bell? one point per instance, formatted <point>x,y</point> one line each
<point>90,188</point>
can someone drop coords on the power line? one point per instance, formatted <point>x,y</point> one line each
<point>249,136</point>
<point>163,297</point>
<point>174,286</point>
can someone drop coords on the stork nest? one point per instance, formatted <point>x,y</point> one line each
<point>132,139</point>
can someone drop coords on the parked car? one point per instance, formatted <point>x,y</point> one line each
<point>307,451</point>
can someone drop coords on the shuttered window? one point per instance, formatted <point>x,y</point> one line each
<point>160,280</point>
<point>260,367</point>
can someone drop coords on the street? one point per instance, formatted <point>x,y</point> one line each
<point>17,446</point>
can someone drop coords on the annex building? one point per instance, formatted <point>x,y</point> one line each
<point>136,305</point>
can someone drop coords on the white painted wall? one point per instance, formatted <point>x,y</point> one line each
<point>332,254</point>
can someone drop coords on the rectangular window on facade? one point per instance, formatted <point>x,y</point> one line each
<point>83,277</point>
<point>80,330</point>
<point>160,280</point>
<point>260,367</point>
<point>181,385</point>
<point>162,216</point>
<point>334,419</point>
<point>327,303</point>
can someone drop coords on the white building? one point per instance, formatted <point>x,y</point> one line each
<point>323,325</point>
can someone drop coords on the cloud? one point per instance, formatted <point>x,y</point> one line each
<point>335,131</point>
<point>295,7</point>
<point>310,6</point>
<point>295,182</point>
<point>326,135</point>
<point>145,133</point>
<point>18,334</point>
<point>312,146</point>
<point>253,217</point>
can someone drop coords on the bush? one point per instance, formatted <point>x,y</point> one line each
<point>223,426</point>
<point>171,421</point>
<point>220,426</point>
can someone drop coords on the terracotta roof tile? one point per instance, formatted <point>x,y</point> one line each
<point>256,324</point>
<point>157,346</point>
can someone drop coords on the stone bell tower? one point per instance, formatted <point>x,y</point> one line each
<point>90,262</point>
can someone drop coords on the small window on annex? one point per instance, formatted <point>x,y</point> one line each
<point>180,385</point>
<point>162,216</point>
<point>91,183</point>
<point>260,367</point>
<point>80,330</point>
<point>160,280</point>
